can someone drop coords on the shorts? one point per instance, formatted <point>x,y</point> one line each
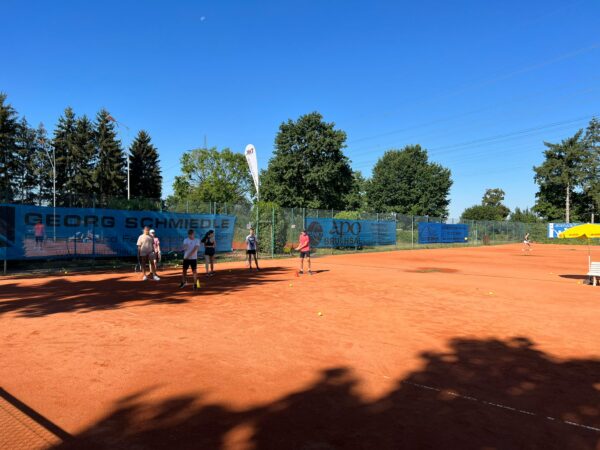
<point>305,254</point>
<point>526,242</point>
<point>150,255</point>
<point>210,251</point>
<point>39,239</point>
<point>193,263</point>
<point>250,252</point>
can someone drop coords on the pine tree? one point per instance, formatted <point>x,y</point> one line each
<point>27,164</point>
<point>9,129</point>
<point>65,164</point>
<point>84,155</point>
<point>44,159</point>
<point>110,173</point>
<point>144,173</point>
<point>592,183</point>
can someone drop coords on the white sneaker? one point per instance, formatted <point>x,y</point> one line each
<point>145,278</point>
<point>155,278</point>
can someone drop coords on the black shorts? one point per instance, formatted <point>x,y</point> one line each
<point>250,252</point>
<point>193,263</point>
<point>305,254</point>
<point>209,251</point>
<point>39,239</point>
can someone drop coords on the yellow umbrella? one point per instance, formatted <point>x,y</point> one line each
<point>587,230</point>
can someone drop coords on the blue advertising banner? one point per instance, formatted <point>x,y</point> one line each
<point>554,229</point>
<point>442,233</point>
<point>325,233</point>
<point>29,232</point>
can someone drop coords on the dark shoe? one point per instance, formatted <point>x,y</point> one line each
<point>182,285</point>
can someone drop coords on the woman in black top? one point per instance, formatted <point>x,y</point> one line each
<point>210,247</point>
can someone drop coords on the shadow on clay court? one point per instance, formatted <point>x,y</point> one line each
<point>575,277</point>
<point>72,294</point>
<point>480,394</point>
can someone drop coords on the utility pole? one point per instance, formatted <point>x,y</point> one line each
<point>128,183</point>
<point>53,163</point>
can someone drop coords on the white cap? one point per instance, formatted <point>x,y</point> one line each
<point>152,231</point>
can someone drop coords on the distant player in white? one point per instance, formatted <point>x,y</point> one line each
<point>191,245</point>
<point>526,243</point>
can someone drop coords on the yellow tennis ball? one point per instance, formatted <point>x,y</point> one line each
<point>320,313</point>
<point>291,284</point>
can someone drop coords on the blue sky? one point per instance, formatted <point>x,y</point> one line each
<point>479,84</point>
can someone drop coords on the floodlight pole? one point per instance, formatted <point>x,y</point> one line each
<point>128,183</point>
<point>53,162</point>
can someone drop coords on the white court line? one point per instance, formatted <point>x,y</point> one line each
<point>499,405</point>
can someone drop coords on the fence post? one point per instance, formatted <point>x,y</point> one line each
<point>332,221</point>
<point>273,231</point>
<point>94,233</point>
<point>303,218</point>
<point>412,231</point>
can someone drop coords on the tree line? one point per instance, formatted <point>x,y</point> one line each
<point>86,156</point>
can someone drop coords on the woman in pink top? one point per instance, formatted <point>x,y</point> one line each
<point>304,249</point>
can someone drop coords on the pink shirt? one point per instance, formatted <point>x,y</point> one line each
<point>304,243</point>
<point>39,230</point>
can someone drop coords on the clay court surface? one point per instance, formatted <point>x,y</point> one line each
<point>463,348</point>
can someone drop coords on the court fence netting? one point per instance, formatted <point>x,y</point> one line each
<point>87,234</point>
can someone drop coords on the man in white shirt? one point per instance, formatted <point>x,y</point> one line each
<point>145,245</point>
<point>191,245</point>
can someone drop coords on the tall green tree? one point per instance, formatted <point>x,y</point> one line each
<point>405,182</point>
<point>592,183</point>
<point>491,207</point>
<point>110,174</point>
<point>209,175</point>
<point>308,168</point>
<point>561,178</point>
<point>27,163</point>
<point>9,129</point>
<point>84,153</point>
<point>356,199</point>
<point>144,172</point>
<point>62,142</point>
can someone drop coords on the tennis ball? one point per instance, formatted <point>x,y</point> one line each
<point>291,284</point>
<point>491,293</point>
<point>320,313</point>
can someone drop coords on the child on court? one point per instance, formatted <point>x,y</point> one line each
<point>304,249</point>
<point>210,247</point>
<point>191,245</point>
<point>156,245</point>
<point>145,245</point>
<point>252,248</point>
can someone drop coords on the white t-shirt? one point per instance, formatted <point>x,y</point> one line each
<point>190,248</point>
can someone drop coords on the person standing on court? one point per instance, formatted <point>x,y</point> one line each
<point>156,246</point>
<point>191,245</point>
<point>40,233</point>
<point>145,245</point>
<point>252,248</point>
<point>304,249</point>
<point>210,248</point>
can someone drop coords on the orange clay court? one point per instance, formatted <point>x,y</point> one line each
<point>458,348</point>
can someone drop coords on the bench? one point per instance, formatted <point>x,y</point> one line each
<point>594,272</point>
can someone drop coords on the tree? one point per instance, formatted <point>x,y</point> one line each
<point>356,199</point>
<point>405,182</point>
<point>212,176</point>
<point>491,207</point>
<point>524,216</point>
<point>27,163</point>
<point>592,182</point>
<point>9,129</point>
<point>65,163</point>
<point>110,175</point>
<point>84,152</point>
<point>144,172</point>
<point>308,168</point>
<point>562,174</point>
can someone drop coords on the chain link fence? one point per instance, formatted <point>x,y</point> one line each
<point>277,229</point>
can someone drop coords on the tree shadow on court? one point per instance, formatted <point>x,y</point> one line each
<point>480,394</point>
<point>65,294</point>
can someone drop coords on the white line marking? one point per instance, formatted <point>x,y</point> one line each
<point>498,405</point>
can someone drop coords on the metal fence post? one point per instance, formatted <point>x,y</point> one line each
<point>273,232</point>
<point>412,231</point>
<point>332,221</point>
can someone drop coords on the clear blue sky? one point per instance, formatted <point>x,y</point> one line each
<point>446,75</point>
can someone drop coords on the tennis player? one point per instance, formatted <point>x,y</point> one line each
<point>191,245</point>
<point>145,245</point>
<point>304,249</point>
<point>210,248</point>
<point>40,233</point>
<point>252,249</point>
<point>156,247</point>
<point>527,243</point>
